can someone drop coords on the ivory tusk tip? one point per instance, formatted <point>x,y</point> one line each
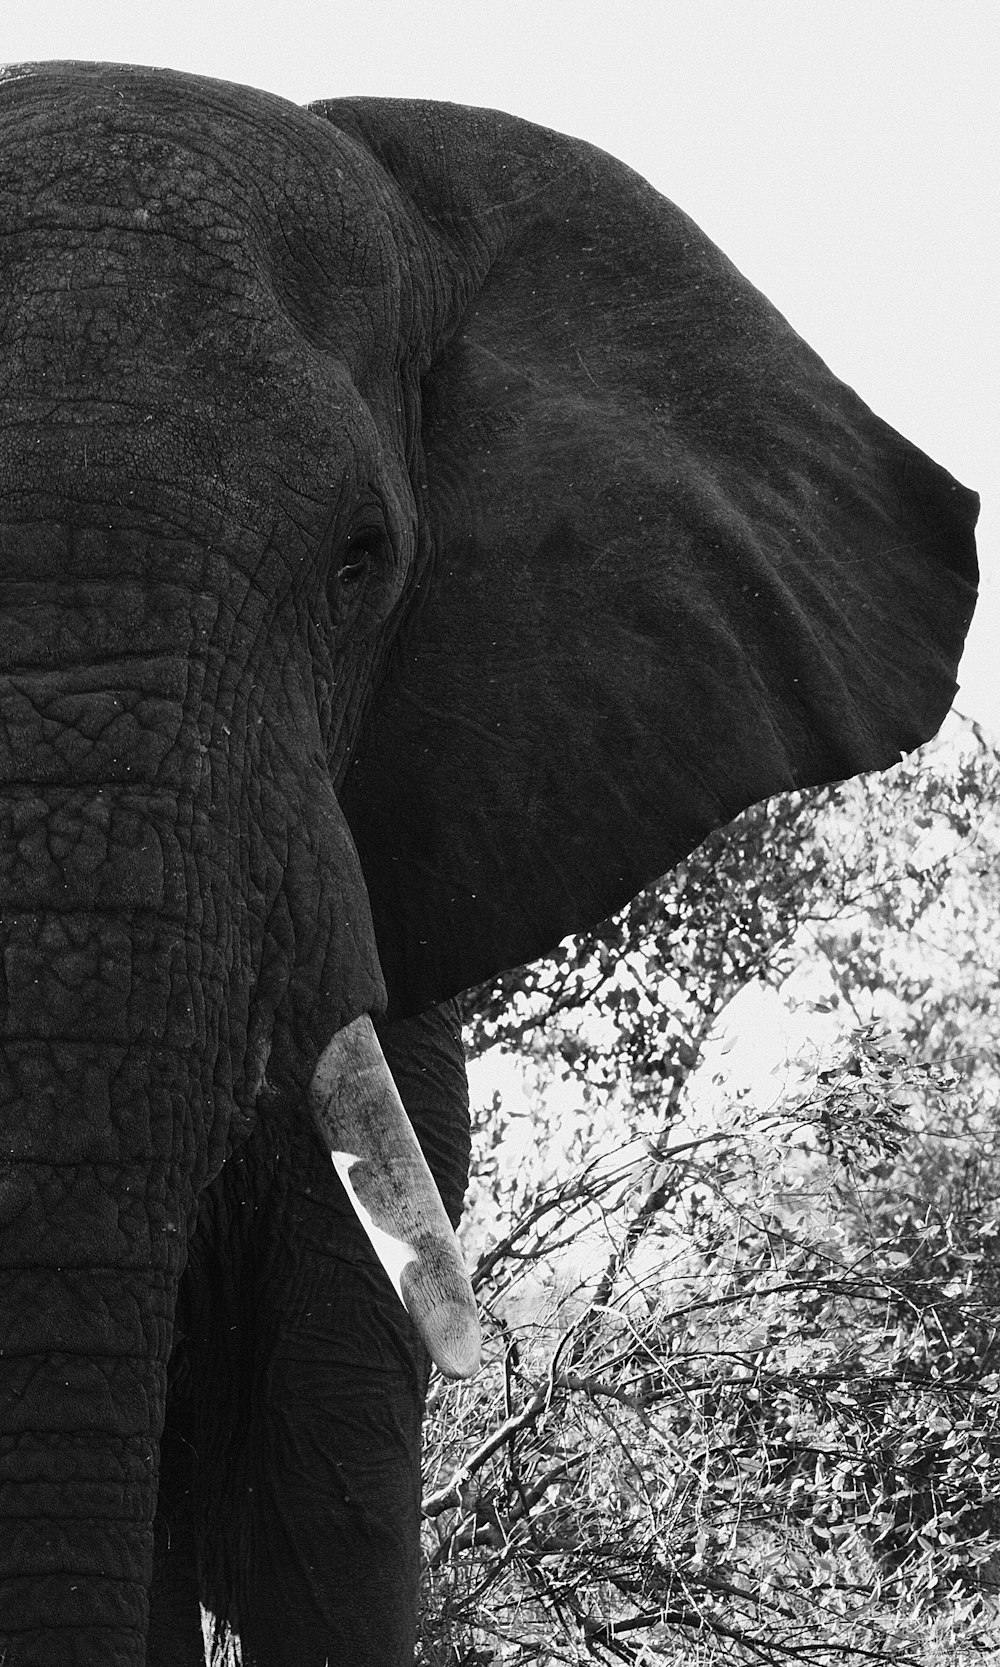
<point>451,1332</point>
<point>438,1297</point>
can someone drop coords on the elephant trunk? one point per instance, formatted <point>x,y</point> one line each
<point>91,1257</point>
<point>111,1079</point>
<point>174,879</point>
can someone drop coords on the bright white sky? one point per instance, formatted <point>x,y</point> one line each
<point>844,155</point>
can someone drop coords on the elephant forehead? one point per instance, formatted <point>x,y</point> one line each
<point>141,178</point>
<point>197,284</point>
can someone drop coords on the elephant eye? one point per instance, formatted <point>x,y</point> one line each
<point>359,554</point>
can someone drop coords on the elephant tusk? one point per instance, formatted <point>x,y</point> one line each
<point>385,1175</point>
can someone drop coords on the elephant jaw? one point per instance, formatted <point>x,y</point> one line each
<point>385,1175</point>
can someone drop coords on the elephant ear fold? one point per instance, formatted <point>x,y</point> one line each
<point>674,564</point>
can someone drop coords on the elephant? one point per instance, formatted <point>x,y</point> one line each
<point>415,537</point>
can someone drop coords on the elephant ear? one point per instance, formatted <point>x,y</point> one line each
<point>675,565</point>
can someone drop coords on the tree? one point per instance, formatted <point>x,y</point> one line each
<point>741,1401</point>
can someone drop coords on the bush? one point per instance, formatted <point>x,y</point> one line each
<point>741,1395</point>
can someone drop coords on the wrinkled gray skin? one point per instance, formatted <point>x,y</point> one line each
<point>414,536</point>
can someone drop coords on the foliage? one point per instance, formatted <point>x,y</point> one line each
<point>741,1401</point>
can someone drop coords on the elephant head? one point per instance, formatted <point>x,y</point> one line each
<point>415,536</point>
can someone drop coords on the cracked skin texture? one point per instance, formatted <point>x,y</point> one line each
<point>414,537</point>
